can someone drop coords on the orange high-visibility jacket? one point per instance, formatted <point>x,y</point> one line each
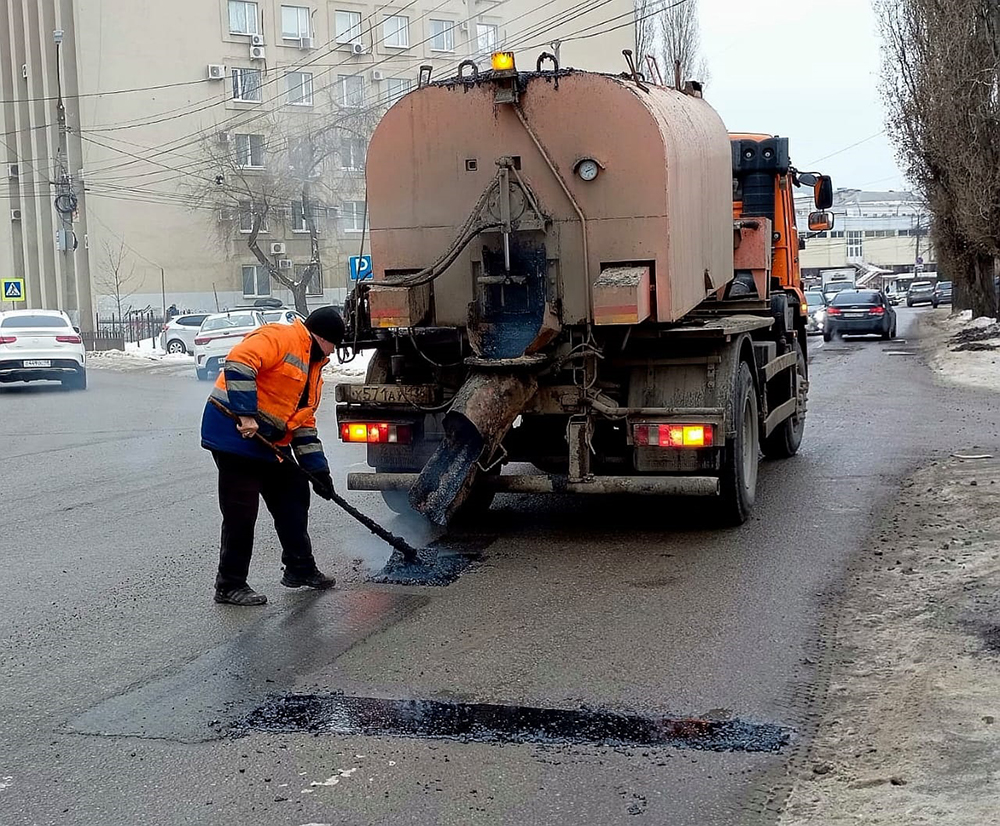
<point>265,375</point>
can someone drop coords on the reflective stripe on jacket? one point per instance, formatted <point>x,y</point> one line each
<point>264,376</point>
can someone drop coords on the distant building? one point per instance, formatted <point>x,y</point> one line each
<point>873,231</point>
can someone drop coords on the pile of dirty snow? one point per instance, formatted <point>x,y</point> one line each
<point>135,360</point>
<point>963,350</point>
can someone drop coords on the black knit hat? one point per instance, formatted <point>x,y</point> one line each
<point>326,323</point>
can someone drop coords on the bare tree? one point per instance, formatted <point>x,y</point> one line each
<point>679,36</point>
<point>117,276</point>
<point>645,31</point>
<point>286,174</point>
<point>942,94</point>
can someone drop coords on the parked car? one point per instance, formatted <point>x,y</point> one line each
<point>816,303</point>
<point>41,345</point>
<point>942,293</point>
<point>860,312</point>
<point>896,296</point>
<point>218,334</point>
<point>920,292</point>
<point>282,316</point>
<point>179,333</point>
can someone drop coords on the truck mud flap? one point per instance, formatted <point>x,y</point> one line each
<point>480,416</point>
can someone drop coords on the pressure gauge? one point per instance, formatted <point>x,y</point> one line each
<point>587,169</point>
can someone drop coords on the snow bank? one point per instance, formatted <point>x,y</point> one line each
<point>965,351</point>
<point>153,360</point>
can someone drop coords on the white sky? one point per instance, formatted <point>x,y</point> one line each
<point>806,69</point>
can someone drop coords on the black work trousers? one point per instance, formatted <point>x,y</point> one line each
<point>242,483</point>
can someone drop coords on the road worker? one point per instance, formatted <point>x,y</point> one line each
<point>271,381</point>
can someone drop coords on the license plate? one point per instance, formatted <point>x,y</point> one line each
<point>37,363</point>
<point>423,394</point>
<point>854,315</point>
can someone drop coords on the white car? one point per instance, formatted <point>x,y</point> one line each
<point>179,333</point>
<point>41,345</point>
<point>219,333</point>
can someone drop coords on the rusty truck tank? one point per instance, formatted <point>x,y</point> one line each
<point>581,272</point>
<point>661,197</point>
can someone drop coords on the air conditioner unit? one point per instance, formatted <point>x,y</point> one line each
<point>216,71</point>
<point>13,171</point>
<point>284,263</point>
<point>15,215</point>
<point>277,248</point>
<point>306,43</point>
<point>256,40</point>
<point>463,26</point>
<point>257,53</point>
<point>378,74</point>
<point>358,48</point>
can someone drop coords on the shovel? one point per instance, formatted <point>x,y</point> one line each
<point>410,554</point>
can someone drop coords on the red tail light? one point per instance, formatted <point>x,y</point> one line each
<point>70,339</point>
<point>878,310</point>
<point>163,329</point>
<point>8,339</point>
<point>376,433</point>
<point>202,339</point>
<point>832,311</point>
<point>674,435</point>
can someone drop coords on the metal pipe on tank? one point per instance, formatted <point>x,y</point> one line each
<point>572,200</point>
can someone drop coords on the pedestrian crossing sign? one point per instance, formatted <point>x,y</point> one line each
<point>13,289</point>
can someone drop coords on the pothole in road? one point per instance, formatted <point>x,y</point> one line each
<point>489,723</point>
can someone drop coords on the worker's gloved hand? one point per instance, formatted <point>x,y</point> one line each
<point>322,483</point>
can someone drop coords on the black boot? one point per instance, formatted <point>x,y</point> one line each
<point>315,580</point>
<point>244,595</point>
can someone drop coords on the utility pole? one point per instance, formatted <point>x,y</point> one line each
<point>66,202</point>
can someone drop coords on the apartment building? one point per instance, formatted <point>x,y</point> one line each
<point>151,94</point>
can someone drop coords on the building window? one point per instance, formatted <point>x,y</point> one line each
<point>855,246</point>
<point>837,234</point>
<point>300,88</point>
<point>256,281</point>
<point>352,216</point>
<point>442,36</point>
<point>351,91</point>
<point>348,27</point>
<point>294,22</point>
<point>247,85</point>
<point>250,151</point>
<point>299,223</point>
<point>242,17</point>
<point>396,31</point>
<point>396,87</point>
<point>352,154</point>
<point>486,38</point>
<point>301,159</point>
<point>247,213</point>
<point>315,285</point>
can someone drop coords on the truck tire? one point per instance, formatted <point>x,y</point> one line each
<point>786,438</point>
<point>738,480</point>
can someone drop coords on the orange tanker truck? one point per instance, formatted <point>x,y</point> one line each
<point>583,281</point>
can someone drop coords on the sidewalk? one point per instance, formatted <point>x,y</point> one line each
<point>909,695</point>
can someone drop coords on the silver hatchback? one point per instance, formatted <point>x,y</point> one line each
<point>179,333</point>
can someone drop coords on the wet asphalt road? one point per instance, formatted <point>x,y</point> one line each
<point>120,677</point>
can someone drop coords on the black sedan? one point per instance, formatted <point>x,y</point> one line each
<point>858,313</point>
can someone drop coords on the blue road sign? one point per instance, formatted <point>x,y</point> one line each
<point>361,267</point>
<point>13,289</point>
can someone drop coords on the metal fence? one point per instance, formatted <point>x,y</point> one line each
<point>112,332</point>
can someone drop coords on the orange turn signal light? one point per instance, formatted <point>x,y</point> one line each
<point>674,435</point>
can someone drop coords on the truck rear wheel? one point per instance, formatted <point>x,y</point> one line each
<point>738,480</point>
<point>786,438</point>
